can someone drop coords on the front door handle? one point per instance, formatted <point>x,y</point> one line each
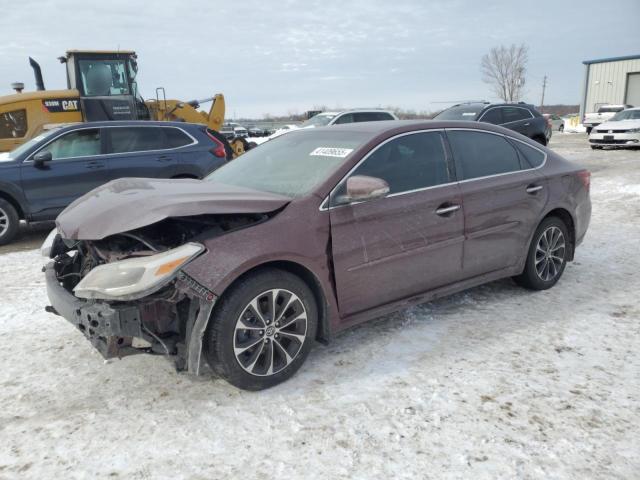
<point>534,188</point>
<point>446,209</point>
<point>164,158</point>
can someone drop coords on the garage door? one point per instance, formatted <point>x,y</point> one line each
<point>633,89</point>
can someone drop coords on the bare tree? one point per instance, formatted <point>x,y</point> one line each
<point>504,68</point>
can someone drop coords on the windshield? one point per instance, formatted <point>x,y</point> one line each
<point>291,165</point>
<point>609,109</point>
<point>460,112</point>
<point>104,77</point>
<point>626,115</point>
<point>319,120</point>
<point>16,152</point>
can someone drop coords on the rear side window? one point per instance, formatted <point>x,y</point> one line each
<point>493,115</point>
<point>135,139</point>
<point>532,156</point>
<point>407,163</point>
<point>81,143</point>
<point>479,154</point>
<point>13,124</point>
<point>514,114</point>
<point>176,138</point>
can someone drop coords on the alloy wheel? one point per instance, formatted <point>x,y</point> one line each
<point>4,222</point>
<point>270,332</point>
<point>550,253</point>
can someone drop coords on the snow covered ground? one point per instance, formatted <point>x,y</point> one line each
<point>496,382</point>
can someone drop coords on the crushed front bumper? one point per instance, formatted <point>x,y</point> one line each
<point>115,329</point>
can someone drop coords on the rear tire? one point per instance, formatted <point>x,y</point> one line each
<point>9,222</point>
<point>547,255</point>
<point>262,330</point>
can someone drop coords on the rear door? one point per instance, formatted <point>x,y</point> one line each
<point>77,167</point>
<point>139,151</point>
<point>503,197</point>
<point>406,243</point>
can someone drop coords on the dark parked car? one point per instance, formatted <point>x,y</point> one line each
<point>41,177</point>
<point>313,232</point>
<point>519,117</point>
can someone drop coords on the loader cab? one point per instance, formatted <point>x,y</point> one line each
<point>107,84</point>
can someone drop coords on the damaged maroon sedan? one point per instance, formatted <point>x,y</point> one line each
<point>311,233</point>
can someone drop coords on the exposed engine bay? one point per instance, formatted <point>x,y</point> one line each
<point>161,322</point>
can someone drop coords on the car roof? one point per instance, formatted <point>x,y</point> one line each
<point>130,123</point>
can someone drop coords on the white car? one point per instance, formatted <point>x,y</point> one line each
<point>622,130</point>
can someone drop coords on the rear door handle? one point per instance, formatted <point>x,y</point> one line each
<point>164,158</point>
<point>527,124</point>
<point>534,188</point>
<point>446,209</point>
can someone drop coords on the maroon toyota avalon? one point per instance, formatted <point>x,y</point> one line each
<point>309,234</point>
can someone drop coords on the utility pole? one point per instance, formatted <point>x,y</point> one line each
<point>544,87</point>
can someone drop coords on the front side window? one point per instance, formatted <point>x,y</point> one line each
<point>81,143</point>
<point>135,139</point>
<point>13,124</point>
<point>480,154</point>
<point>514,114</point>
<point>103,77</point>
<point>409,162</point>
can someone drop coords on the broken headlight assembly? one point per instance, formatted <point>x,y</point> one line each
<point>135,278</point>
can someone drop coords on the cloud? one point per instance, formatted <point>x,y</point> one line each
<point>280,55</point>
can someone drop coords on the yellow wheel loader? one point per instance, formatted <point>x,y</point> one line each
<point>101,85</point>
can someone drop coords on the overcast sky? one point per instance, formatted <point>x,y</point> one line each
<point>285,56</point>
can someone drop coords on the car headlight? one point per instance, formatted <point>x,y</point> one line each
<point>135,277</point>
<point>45,249</point>
<point>633,130</point>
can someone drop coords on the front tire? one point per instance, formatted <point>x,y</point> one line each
<point>547,255</point>
<point>9,222</point>
<point>262,330</point>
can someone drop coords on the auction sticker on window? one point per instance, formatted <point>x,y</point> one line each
<point>331,152</point>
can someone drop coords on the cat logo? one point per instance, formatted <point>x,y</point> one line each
<point>55,105</point>
<point>70,105</point>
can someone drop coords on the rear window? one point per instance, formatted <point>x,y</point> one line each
<point>460,112</point>
<point>13,124</point>
<point>176,138</point>
<point>135,139</point>
<point>371,116</point>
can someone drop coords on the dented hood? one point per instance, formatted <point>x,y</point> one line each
<point>129,203</point>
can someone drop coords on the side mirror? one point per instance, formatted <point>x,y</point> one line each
<point>40,158</point>
<point>361,188</point>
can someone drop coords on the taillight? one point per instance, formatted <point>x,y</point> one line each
<point>218,150</point>
<point>585,177</point>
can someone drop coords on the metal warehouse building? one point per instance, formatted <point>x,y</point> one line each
<point>611,80</point>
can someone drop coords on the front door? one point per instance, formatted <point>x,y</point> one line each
<point>77,167</point>
<point>409,242</point>
<point>503,199</point>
